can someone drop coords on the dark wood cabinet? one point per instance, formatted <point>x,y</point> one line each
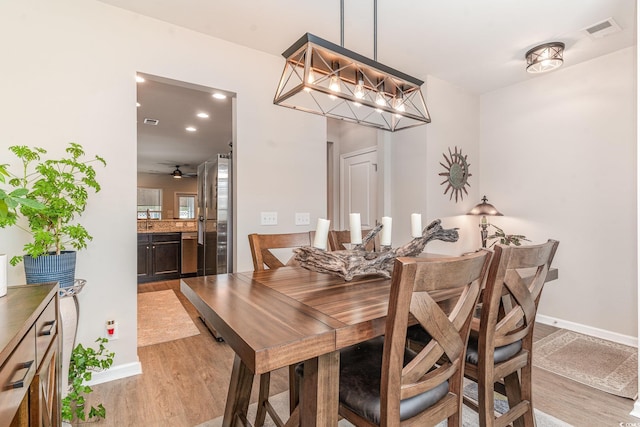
<point>158,256</point>
<point>29,356</point>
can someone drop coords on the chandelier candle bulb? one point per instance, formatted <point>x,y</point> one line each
<point>322,233</point>
<point>385,233</point>
<point>3,275</point>
<point>355,228</point>
<point>416,225</point>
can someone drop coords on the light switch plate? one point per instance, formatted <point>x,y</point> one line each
<point>303,218</point>
<point>268,218</point>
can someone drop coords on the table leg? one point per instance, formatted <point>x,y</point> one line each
<point>319,391</point>
<point>239,393</point>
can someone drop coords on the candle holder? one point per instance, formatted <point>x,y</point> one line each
<point>357,261</point>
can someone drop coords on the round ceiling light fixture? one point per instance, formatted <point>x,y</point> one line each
<point>545,57</point>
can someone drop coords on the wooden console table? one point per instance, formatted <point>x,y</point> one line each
<point>29,356</point>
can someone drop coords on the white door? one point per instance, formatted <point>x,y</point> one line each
<point>359,187</point>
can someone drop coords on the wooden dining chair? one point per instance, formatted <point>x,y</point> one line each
<point>499,354</point>
<point>337,239</point>
<point>263,246</point>
<point>262,252</point>
<point>383,383</point>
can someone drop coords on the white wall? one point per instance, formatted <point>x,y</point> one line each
<point>68,75</point>
<point>416,154</point>
<point>558,158</point>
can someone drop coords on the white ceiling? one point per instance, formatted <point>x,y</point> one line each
<point>478,45</point>
<point>175,105</point>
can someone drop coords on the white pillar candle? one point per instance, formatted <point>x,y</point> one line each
<point>416,225</point>
<point>322,232</point>
<point>385,233</point>
<point>3,275</point>
<point>354,227</point>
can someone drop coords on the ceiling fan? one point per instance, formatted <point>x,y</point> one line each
<point>177,173</point>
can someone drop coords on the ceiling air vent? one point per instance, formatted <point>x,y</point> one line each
<point>153,122</point>
<point>602,29</point>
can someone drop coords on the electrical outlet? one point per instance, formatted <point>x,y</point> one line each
<point>303,218</point>
<point>111,330</point>
<point>268,218</point>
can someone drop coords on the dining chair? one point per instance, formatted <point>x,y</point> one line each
<point>337,239</point>
<point>382,382</point>
<point>262,253</point>
<point>499,353</point>
<point>263,246</point>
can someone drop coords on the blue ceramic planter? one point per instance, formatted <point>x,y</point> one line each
<point>51,268</point>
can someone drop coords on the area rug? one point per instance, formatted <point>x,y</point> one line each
<point>162,318</point>
<point>469,417</point>
<point>598,363</point>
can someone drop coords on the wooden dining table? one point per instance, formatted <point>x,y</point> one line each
<point>280,317</point>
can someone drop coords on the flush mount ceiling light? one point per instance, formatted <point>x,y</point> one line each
<point>323,78</point>
<point>545,57</point>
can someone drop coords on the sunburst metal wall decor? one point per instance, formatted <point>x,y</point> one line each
<point>457,173</point>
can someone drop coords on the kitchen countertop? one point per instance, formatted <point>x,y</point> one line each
<point>166,226</point>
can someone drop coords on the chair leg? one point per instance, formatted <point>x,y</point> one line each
<point>519,389</point>
<point>263,397</point>
<point>294,389</point>
<point>486,409</point>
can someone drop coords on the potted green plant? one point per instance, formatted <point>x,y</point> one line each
<point>84,362</point>
<point>50,194</point>
<point>9,202</point>
<point>506,239</point>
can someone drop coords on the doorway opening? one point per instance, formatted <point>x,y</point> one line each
<point>180,126</point>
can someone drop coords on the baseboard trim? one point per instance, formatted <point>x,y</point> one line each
<point>635,412</point>
<point>589,330</point>
<point>116,373</point>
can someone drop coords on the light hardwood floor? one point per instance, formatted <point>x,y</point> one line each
<point>184,383</point>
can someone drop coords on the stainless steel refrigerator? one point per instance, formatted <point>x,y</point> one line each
<point>215,216</point>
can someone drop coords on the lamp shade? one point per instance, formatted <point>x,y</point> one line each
<point>545,57</point>
<point>484,208</point>
<point>323,78</point>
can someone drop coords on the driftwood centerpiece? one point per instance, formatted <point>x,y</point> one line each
<point>359,262</point>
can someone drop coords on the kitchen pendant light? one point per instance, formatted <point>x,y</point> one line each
<point>323,78</point>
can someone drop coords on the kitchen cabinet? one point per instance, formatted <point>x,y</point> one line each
<point>29,356</point>
<point>158,256</point>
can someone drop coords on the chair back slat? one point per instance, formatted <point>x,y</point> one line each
<point>448,324</point>
<point>263,244</point>
<point>338,238</point>
<point>510,302</point>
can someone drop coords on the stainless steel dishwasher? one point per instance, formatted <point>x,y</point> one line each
<point>189,253</point>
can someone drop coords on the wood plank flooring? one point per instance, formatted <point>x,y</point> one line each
<point>184,383</point>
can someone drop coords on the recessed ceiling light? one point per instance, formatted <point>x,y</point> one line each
<point>137,104</point>
<point>203,115</point>
<point>139,79</point>
<point>190,129</point>
<point>219,95</point>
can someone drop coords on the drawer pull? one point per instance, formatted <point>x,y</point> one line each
<point>52,327</point>
<point>27,368</point>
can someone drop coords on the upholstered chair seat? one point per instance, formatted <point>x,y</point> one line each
<point>360,368</point>
<point>500,354</point>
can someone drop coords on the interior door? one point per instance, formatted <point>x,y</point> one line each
<point>359,187</point>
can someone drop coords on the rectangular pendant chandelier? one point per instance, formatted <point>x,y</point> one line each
<point>323,78</point>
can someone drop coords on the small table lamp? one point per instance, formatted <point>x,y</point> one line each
<point>484,209</point>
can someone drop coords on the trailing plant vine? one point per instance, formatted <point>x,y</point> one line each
<point>85,361</point>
